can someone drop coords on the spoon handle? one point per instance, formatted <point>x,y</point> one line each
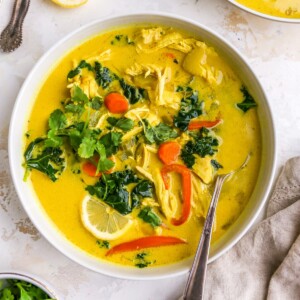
<point>194,289</point>
<point>11,36</point>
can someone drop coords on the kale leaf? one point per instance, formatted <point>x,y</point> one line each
<point>133,94</point>
<point>203,145</point>
<point>47,160</point>
<point>111,188</point>
<point>142,190</point>
<point>190,107</point>
<point>149,216</point>
<point>159,133</point>
<point>248,101</point>
<point>76,71</point>
<point>123,123</point>
<point>103,75</point>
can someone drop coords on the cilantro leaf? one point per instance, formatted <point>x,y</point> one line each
<point>124,124</point>
<point>248,101</point>
<point>96,103</point>
<point>111,141</point>
<point>79,96</point>
<point>57,120</point>
<point>159,133</point>
<point>87,147</point>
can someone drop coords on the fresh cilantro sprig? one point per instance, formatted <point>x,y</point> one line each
<point>21,290</point>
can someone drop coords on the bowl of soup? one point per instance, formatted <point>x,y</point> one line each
<point>278,10</point>
<point>118,134</point>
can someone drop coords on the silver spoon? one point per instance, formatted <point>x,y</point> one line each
<point>11,36</point>
<point>194,289</point>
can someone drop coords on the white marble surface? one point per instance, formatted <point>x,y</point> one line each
<point>272,48</point>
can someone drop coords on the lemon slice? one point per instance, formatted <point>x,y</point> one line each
<point>101,220</point>
<point>69,3</point>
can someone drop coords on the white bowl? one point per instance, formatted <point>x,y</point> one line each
<point>31,279</point>
<point>24,105</point>
<point>263,15</point>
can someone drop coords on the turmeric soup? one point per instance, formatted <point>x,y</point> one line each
<point>277,8</point>
<point>126,137</point>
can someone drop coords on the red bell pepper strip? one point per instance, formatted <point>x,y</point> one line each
<point>145,242</point>
<point>199,124</point>
<point>187,189</point>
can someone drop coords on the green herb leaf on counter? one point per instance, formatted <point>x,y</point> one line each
<point>149,216</point>
<point>190,107</point>
<point>133,94</point>
<point>124,124</point>
<point>77,70</point>
<point>248,101</point>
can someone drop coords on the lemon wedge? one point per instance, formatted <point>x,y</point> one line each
<point>101,220</point>
<point>69,3</point>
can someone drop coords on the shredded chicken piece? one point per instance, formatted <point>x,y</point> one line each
<point>203,168</point>
<point>127,136</point>
<point>149,202</point>
<point>99,56</point>
<point>167,199</point>
<point>145,173</point>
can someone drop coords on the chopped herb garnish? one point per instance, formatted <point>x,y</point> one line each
<point>216,165</point>
<point>149,216</point>
<point>141,261</point>
<point>248,101</point>
<point>103,244</point>
<point>175,61</point>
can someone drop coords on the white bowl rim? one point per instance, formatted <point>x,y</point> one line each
<point>33,279</point>
<point>149,14</point>
<point>263,15</point>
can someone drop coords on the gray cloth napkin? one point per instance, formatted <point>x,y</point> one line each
<point>265,264</point>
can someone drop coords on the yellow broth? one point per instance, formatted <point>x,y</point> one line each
<point>278,8</point>
<point>238,135</point>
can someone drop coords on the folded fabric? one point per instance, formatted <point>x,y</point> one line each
<point>265,263</point>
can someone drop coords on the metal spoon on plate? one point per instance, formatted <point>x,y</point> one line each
<point>194,289</point>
